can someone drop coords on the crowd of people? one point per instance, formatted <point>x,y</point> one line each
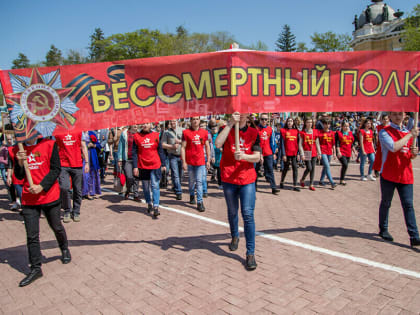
<point>158,155</point>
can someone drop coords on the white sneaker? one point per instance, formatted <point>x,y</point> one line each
<point>371,177</point>
<point>14,207</point>
<point>363,178</point>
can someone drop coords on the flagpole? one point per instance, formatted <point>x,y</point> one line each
<point>21,149</point>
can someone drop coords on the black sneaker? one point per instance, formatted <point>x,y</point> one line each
<point>200,207</point>
<point>192,200</point>
<point>65,256</point>
<point>333,186</point>
<point>205,195</point>
<point>386,236</point>
<point>275,191</point>
<point>250,262</point>
<point>281,185</point>
<point>149,208</point>
<point>156,212</point>
<point>414,242</point>
<point>179,197</point>
<point>234,243</point>
<point>31,277</point>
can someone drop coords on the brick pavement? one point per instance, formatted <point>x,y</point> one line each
<point>126,262</point>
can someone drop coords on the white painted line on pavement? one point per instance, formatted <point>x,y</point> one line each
<point>321,250</point>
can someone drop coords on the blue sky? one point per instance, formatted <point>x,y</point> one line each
<point>31,27</point>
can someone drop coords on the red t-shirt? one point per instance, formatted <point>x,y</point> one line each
<point>367,141</point>
<point>346,141</point>
<point>238,172</point>
<point>194,150</point>
<point>309,141</point>
<point>397,167</point>
<point>39,158</point>
<point>290,140</point>
<point>69,149</point>
<point>265,138</point>
<point>147,150</point>
<point>326,141</point>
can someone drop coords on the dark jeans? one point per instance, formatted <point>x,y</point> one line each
<point>132,182</point>
<point>268,170</point>
<point>31,216</point>
<point>219,176</point>
<point>344,160</point>
<point>310,169</point>
<point>290,160</point>
<point>406,197</point>
<point>76,174</point>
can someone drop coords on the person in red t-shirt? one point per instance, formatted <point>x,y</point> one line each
<point>44,195</point>
<point>327,145</point>
<point>344,141</point>
<point>194,140</point>
<point>267,143</point>
<point>238,178</point>
<point>366,149</point>
<point>398,150</point>
<point>148,162</point>
<point>70,149</point>
<point>290,136</point>
<point>308,147</point>
<point>378,155</point>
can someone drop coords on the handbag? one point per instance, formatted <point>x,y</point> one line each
<point>308,154</point>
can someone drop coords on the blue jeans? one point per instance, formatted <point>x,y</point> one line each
<point>154,183</point>
<point>326,159</point>
<point>406,197</point>
<point>371,157</point>
<point>195,180</point>
<point>176,172</point>
<point>246,194</point>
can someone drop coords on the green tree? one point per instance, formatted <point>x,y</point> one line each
<point>21,62</point>
<point>330,41</point>
<point>54,57</point>
<point>286,40</point>
<point>259,45</point>
<point>74,57</point>
<point>220,40</point>
<point>96,46</point>
<point>301,47</point>
<point>411,35</point>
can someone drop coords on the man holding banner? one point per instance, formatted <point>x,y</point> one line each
<point>397,173</point>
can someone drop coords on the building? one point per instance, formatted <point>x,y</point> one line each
<point>378,27</point>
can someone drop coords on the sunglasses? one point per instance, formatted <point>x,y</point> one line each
<point>264,118</point>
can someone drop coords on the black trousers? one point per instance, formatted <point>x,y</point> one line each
<point>31,216</point>
<point>310,169</point>
<point>293,161</point>
<point>344,160</point>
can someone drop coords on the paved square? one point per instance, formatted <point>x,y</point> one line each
<point>126,262</point>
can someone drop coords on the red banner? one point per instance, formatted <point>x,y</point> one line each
<point>53,100</point>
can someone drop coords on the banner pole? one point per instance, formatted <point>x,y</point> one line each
<point>21,149</point>
<point>237,136</point>
<point>416,123</point>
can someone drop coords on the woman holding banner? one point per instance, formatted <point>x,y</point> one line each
<point>238,179</point>
<point>42,195</point>
<point>308,148</point>
<point>148,159</point>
